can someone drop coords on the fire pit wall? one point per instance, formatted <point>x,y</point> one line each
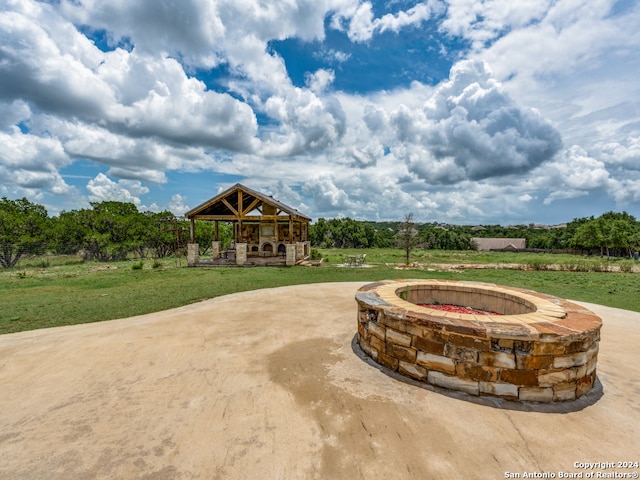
<point>540,348</point>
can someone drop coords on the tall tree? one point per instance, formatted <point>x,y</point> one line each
<point>615,233</point>
<point>166,234</point>
<point>590,235</point>
<point>319,232</point>
<point>407,236</point>
<point>67,232</point>
<point>108,231</point>
<point>23,229</point>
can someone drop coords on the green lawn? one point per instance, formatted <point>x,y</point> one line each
<point>46,294</point>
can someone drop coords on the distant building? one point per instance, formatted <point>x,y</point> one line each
<point>509,244</point>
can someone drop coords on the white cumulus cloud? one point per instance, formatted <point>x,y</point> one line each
<point>472,129</point>
<point>102,188</point>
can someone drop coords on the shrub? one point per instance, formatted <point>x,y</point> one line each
<point>538,264</point>
<point>138,265</point>
<point>584,266</point>
<point>626,266</point>
<point>601,266</point>
<point>315,254</point>
<point>568,267</point>
<point>44,263</point>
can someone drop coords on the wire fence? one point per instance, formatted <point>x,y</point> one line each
<point>11,254</point>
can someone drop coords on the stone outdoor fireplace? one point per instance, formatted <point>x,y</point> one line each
<point>520,345</point>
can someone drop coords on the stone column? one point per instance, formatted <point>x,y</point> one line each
<point>215,249</point>
<point>291,254</point>
<point>193,254</point>
<point>241,253</point>
<point>306,249</point>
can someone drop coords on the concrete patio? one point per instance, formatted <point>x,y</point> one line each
<point>262,386</point>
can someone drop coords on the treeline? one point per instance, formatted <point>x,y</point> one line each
<point>107,231</point>
<point>349,233</point>
<point>611,234</point>
<point>115,230</point>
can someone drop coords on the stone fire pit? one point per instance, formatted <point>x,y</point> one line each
<point>539,348</point>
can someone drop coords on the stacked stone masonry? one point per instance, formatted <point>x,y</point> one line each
<point>541,348</point>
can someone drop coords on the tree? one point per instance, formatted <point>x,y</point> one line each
<point>67,233</point>
<point>589,235</point>
<point>166,233</point>
<point>617,233</point>
<point>319,232</point>
<point>23,229</point>
<point>407,236</point>
<point>204,235</point>
<point>108,231</point>
<point>384,236</point>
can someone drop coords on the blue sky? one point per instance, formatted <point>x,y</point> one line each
<point>459,111</point>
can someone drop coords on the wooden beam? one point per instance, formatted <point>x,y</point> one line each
<point>264,218</point>
<point>223,218</point>
<point>224,200</point>
<point>240,237</point>
<point>250,207</point>
<point>256,218</point>
<point>192,230</point>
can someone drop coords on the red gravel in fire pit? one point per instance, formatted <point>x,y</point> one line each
<point>457,309</point>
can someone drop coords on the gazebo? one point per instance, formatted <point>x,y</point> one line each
<point>265,231</point>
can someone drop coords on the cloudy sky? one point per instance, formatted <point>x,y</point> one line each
<point>459,111</point>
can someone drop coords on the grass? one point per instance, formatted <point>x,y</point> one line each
<point>534,261</point>
<point>41,294</point>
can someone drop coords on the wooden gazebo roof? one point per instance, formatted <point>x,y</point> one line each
<point>240,203</point>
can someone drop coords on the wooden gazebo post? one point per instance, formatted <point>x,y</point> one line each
<point>240,213</point>
<point>290,229</point>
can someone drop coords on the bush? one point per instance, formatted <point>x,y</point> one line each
<point>538,264</point>
<point>569,266</point>
<point>626,266</point>
<point>138,265</point>
<point>601,266</point>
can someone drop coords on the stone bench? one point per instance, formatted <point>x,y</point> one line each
<point>540,348</point>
